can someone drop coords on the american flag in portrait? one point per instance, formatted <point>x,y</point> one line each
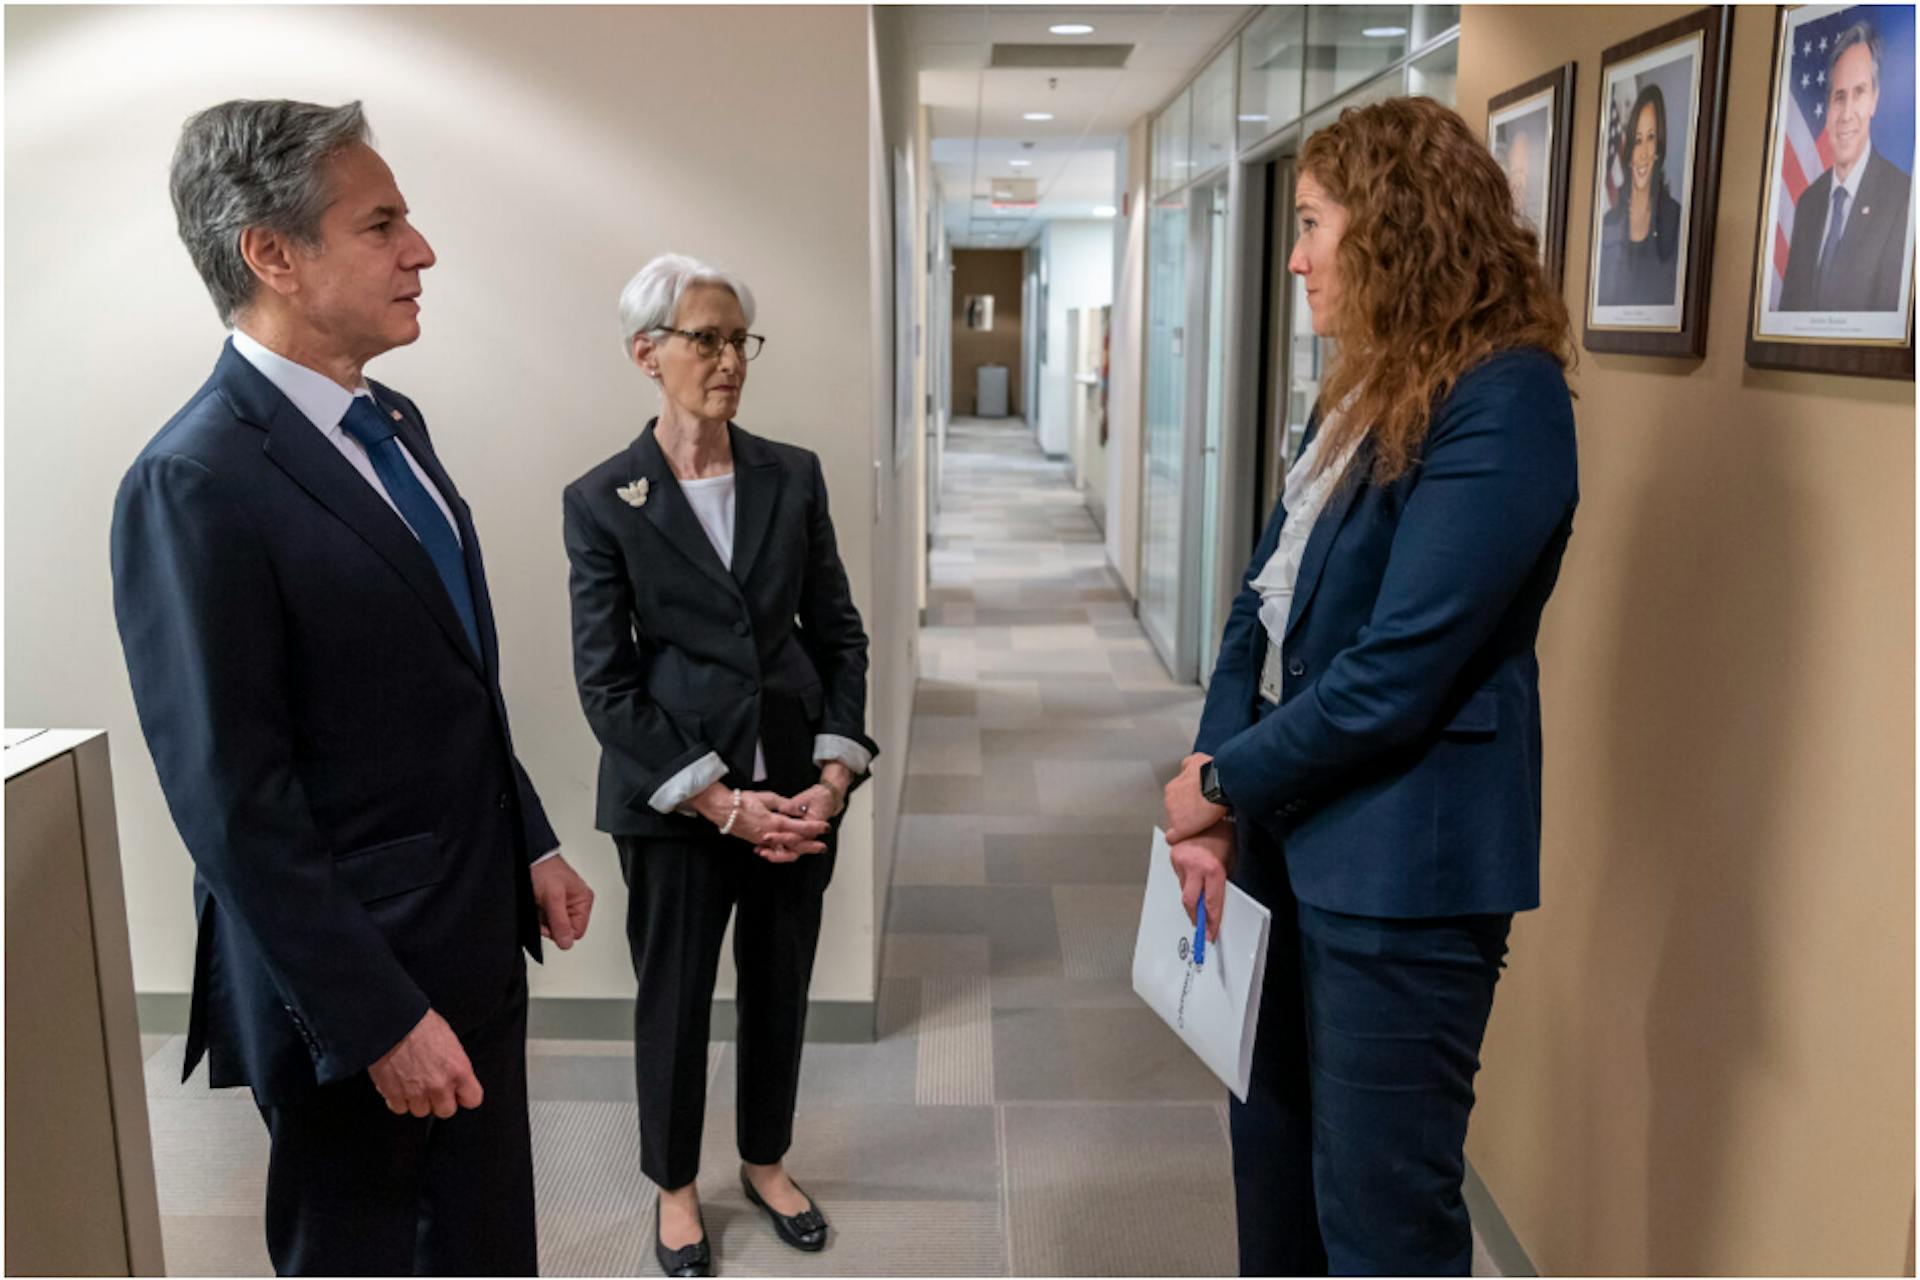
<point>1616,175</point>
<point>1804,150</point>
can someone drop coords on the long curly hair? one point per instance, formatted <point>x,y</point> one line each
<point>1437,272</point>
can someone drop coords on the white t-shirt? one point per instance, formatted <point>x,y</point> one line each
<point>712,503</point>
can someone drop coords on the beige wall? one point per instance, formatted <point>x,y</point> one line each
<point>996,272</point>
<point>1702,1055</point>
<point>546,153</point>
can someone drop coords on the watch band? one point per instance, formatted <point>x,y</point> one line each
<point>1210,785</point>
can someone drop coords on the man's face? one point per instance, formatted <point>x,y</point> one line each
<point>359,288</point>
<point>1851,102</point>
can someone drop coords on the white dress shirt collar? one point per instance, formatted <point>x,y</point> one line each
<point>320,398</point>
<point>1852,183</point>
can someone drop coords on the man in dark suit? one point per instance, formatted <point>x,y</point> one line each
<point>1850,224</point>
<point>312,649</point>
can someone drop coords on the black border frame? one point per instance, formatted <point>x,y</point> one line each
<point>1867,359</point>
<point>1559,82</point>
<point>1715,24</point>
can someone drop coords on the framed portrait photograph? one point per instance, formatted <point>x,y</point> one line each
<point>1655,187</point>
<point>1530,132</point>
<point>1833,261</point>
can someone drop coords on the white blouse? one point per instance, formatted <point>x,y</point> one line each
<point>1307,489</point>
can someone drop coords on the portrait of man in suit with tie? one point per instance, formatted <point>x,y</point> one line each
<point>1850,224</point>
<point>304,613</point>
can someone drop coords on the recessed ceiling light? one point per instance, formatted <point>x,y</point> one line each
<point>1383,33</point>
<point>1070,29</point>
<point>1104,211</point>
<point>1038,115</point>
<point>1021,164</point>
<point>1254,119</point>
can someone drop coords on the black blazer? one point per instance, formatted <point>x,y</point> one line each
<point>1865,272</point>
<point>677,655</point>
<point>334,752</point>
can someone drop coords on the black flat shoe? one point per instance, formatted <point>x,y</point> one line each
<point>804,1230</point>
<point>695,1259</point>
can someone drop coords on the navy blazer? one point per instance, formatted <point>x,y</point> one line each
<point>1864,274</point>
<point>1401,770</point>
<point>334,753</point>
<point>677,655</point>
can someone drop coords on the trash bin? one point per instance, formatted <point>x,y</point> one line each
<point>990,391</point>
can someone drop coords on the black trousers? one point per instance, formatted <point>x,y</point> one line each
<point>680,893</point>
<point>353,1189</point>
<point>1348,1154</point>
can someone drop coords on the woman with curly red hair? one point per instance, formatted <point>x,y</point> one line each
<point>1368,761</point>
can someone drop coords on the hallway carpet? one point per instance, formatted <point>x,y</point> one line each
<point>1021,1113</point>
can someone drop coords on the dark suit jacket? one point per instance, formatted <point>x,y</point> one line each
<point>1865,272</point>
<point>677,655</point>
<point>1401,770</point>
<point>334,753</point>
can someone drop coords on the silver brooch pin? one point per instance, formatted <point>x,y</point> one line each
<point>635,494</point>
<point>396,414</point>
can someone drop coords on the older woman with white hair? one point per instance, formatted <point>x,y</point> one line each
<point>722,665</point>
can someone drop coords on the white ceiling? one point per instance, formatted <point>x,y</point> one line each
<point>976,110</point>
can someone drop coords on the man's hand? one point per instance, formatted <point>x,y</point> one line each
<point>1202,863</point>
<point>564,899</point>
<point>1188,812</point>
<point>427,1073</point>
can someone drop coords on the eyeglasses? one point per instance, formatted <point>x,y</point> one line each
<point>708,342</point>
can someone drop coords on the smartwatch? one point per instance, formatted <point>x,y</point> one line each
<point>1210,785</point>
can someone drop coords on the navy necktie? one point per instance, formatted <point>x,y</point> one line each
<point>1835,225</point>
<point>367,424</point>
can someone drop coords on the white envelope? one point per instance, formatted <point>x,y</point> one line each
<point>1215,1008</point>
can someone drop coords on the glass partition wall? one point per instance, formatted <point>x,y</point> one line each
<point>1161,540</point>
<point>1287,71</point>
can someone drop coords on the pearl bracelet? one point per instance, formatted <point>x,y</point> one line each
<point>726,828</point>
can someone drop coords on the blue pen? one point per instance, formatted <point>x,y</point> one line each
<point>1200,933</point>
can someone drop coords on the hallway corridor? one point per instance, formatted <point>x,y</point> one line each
<point>1043,730</point>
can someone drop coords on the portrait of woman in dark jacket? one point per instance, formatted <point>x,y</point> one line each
<point>1640,236</point>
<point>1368,759</point>
<point>722,665</point>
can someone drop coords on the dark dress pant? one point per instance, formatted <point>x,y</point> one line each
<point>680,894</point>
<point>1348,1154</point>
<point>353,1189</point>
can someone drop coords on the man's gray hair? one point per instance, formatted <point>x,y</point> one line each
<point>254,163</point>
<point>648,303</point>
<point>1859,33</point>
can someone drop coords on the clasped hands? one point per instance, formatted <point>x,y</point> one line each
<point>780,828</point>
<point>1199,843</point>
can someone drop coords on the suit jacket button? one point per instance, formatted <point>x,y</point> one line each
<point>1295,667</point>
<point>500,801</point>
<point>751,687</point>
<point>739,628</point>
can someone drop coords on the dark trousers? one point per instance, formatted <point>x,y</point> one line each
<point>1348,1153</point>
<point>353,1189</point>
<point>680,893</point>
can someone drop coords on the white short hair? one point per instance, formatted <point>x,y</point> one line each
<point>650,299</point>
